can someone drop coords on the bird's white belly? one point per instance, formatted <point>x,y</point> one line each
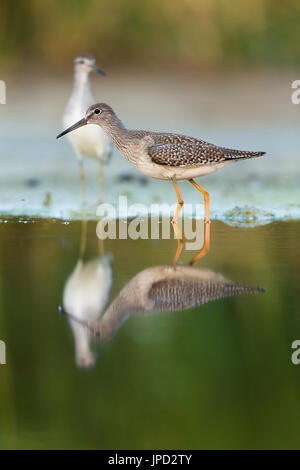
<point>145,165</point>
<point>184,173</point>
<point>89,140</point>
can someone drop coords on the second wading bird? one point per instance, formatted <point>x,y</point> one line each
<point>92,141</point>
<point>163,155</point>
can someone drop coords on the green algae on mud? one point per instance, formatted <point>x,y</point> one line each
<point>248,216</point>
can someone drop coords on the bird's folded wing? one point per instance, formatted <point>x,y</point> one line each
<point>185,153</point>
<point>179,294</point>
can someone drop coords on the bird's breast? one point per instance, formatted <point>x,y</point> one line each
<point>89,140</point>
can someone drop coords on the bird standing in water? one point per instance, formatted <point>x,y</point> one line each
<point>163,155</point>
<point>90,141</point>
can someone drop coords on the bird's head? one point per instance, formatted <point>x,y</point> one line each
<point>99,113</point>
<point>85,63</point>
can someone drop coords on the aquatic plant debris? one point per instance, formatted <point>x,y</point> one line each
<point>244,216</point>
<point>239,206</point>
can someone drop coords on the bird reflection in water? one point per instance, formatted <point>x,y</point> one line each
<point>165,288</point>
<point>86,293</point>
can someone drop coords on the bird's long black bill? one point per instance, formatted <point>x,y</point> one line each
<point>78,124</point>
<point>98,70</point>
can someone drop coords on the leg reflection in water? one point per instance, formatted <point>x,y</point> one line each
<point>180,242</point>
<point>178,234</point>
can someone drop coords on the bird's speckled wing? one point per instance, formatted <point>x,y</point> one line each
<point>180,294</point>
<point>185,155</point>
<point>180,150</point>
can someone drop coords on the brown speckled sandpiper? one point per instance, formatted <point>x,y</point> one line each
<point>163,155</point>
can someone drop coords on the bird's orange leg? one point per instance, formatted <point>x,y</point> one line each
<point>178,210</point>
<point>178,250</point>
<point>206,198</point>
<point>177,232</point>
<point>206,245</point>
<point>174,223</point>
<point>180,202</point>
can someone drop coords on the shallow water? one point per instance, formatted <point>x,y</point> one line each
<point>39,174</point>
<point>218,375</point>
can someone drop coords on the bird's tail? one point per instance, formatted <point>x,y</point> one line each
<point>231,154</point>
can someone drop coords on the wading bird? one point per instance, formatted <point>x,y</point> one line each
<point>90,141</point>
<point>163,155</point>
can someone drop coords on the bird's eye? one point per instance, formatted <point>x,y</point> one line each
<point>97,111</point>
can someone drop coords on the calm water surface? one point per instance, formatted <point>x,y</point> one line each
<point>217,375</point>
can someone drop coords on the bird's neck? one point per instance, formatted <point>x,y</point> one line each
<point>82,346</point>
<point>116,314</point>
<point>112,319</point>
<point>117,132</point>
<point>81,83</point>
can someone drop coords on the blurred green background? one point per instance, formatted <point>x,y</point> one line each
<point>195,34</point>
